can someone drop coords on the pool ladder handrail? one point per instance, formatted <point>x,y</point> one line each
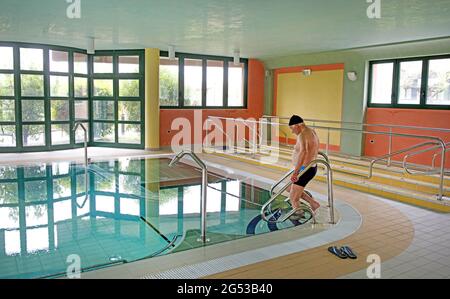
<point>272,188</point>
<point>202,165</point>
<point>86,163</point>
<point>330,194</point>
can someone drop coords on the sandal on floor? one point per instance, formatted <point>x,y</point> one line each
<point>337,252</point>
<point>348,252</point>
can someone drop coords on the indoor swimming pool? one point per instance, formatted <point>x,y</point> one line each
<point>135,209</point>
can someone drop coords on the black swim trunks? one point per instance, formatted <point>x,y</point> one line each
<point>307,176</point>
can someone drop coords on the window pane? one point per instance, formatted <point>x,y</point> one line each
<point>7,85</point>
<point>103,110</point>
<point>382,74</point>
<point>79,133</point>
<point>80,87</point>
<point>129,88</point>
<point>192,82</point>
<point>128,64</point>
<point>31,59</point>
<point>81,110</point>
<point>129,133</point>
<point>103,64</point>
<point>60,134</point>
<point>33,110</point>
<point>59,61</point>
<point>32,85</point>
<point>6,58</point>
<point>168,82</point>
<point>410,82</point>
<point>236,84</point>
<point>214,83</point>
<point>33,135</point>
<point>60,110</point>
<point>80,63</point>
<point>104,132</point>
<point>103,88</point>
<point>7,110</point>
<point>130,110</point>
<point>35,191</point>
<point>59,86</point>
<point>7,135</point>
<point>439,82</point>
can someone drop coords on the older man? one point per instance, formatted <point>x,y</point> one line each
<point>305,151</point>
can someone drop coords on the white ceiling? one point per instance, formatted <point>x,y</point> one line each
<point>259,28</point>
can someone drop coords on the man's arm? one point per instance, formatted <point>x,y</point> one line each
<point>303,154</point>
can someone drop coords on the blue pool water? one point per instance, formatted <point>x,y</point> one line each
<point>135,209</point>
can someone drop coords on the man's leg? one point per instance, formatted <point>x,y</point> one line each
<point>314,204</point>
<point>295,194</point>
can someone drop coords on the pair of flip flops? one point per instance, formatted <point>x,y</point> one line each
<point>343,252</point>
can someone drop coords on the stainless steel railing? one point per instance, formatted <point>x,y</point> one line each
<point>389,126</point>
<point>280,192</point>
<point>277,183</point>
<point>202,165</point>
<point>436,140</point>
<point>432,171</point>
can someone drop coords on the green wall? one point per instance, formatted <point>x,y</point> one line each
<point>354,98</point>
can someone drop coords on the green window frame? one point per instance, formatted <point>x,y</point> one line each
<point>424,83</point>
<point>117,99</point>
<point>204,59</point>
<point>75,103</point>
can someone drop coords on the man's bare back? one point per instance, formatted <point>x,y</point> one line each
<point>307,139</point>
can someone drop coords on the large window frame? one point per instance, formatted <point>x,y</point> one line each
<point>116,98</point>
<point>71,99</point>
<point>396,82</point>
<point>204,58</point>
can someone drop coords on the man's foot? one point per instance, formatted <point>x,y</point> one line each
<point>315,207</point>
<point>297,215</point>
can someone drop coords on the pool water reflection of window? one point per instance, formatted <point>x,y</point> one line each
<point>44,216</point>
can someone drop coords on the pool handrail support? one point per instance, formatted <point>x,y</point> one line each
<point>202,165</point>
<point>330,193</point>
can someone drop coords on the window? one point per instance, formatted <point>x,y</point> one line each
<point>193,79</point>
<point>44,90</point>
<point>410,82</point>
<point>382,82</point>
<point>118,98</point>
<point>236,83</point>
<point>168,81</point>
<point>199,81</point>
<point>214,83</point>
<point>422,82</point>
<point>439,82</point>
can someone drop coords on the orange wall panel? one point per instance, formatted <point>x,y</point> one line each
<point>377,145</point>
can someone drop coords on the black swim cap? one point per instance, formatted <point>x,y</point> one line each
<point>295,119</point>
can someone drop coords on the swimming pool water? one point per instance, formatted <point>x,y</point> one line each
<point>135,209</point>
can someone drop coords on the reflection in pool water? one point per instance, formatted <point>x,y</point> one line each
<point>135,209</point>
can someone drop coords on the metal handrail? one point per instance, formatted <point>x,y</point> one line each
<point>436,139</point>
<point>202,165</point>
<point>330,193</point>
<point>86,161</point>
<point>255,134</point>
<point>405,158</point>
<point>390,154</point>
<point>274,185</point>
<point>365,124</point>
